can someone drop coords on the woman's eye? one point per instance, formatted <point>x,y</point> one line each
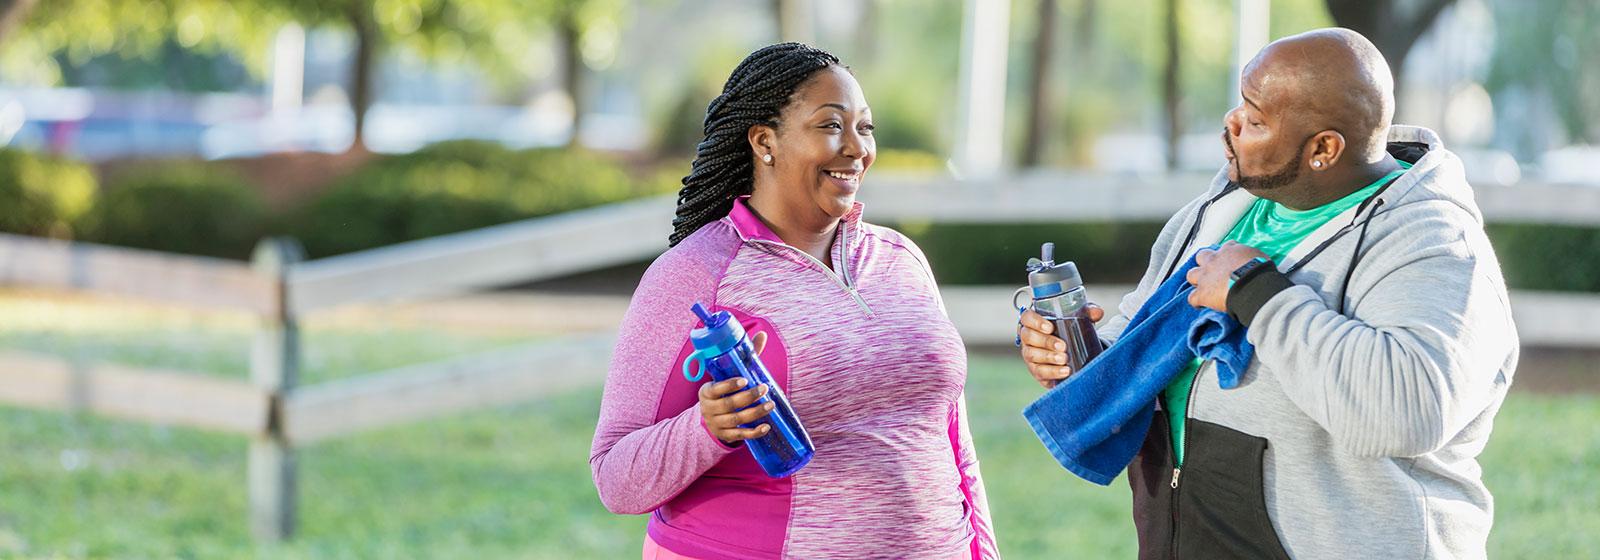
<point>832,125</point>
<point>868,128</point>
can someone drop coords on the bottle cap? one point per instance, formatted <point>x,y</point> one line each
<point>1047,278</point>
<point>720,333</point>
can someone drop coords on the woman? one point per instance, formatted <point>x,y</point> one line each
<point>854,333</point>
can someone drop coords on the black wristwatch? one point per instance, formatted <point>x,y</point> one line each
<point>1250,269</point>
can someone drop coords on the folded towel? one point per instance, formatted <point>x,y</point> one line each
<point>1095,421</point>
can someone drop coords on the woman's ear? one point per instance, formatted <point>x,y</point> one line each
<point>1326,149</point>
<point>762,141</point>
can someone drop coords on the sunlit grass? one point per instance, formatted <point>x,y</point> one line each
<point>513,482</point>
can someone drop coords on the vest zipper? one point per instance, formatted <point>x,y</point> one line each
<point>1177,469</point>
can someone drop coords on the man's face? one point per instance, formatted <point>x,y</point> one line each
<point>1263,152</point>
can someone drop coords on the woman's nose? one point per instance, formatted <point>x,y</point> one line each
<point>854,145</point>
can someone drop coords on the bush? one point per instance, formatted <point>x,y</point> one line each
<point>457,186</point>
<point>1548,257</point>
<point>179,207</point>
<point>43,195</point>
<point>1105,252</point>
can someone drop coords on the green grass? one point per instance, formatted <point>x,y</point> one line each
<point>513,482</point>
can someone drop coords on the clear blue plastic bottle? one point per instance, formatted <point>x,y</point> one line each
<point>723,350</point>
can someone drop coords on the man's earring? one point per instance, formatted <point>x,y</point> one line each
<point>767,159</point>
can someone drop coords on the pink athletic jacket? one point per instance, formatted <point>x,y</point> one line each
<point>872,366</point>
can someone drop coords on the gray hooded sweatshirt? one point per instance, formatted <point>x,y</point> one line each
<point>1366,421</point>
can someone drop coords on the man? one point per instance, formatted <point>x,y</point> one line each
<point>1356,259</point>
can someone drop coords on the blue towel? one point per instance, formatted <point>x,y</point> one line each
<point>1095,421</point>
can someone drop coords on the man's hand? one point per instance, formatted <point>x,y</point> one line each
<point>1212,270</point>
<point>1045,354</point>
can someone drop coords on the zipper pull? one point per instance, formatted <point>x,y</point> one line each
<point>1175,473</point>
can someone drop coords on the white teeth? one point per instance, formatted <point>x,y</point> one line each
<point>842,176</point>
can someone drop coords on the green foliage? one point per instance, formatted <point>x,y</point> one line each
<point>908,161</point>
<point>81,30</point>
<point>1548,48</point>
<point>995,254</point>
<point>43,195</point>
<point>456,186</point>
<point>1548,257</point>
<point>179,207</point>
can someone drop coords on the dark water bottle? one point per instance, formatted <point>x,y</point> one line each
<point>1058,295</point>
<point>723,350</point>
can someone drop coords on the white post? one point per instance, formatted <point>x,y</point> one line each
<point>274,365</point>
<point>982,104</point>
<point>1253,25</point>
<point>288,69</point>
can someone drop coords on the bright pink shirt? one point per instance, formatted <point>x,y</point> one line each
<point>870,363</point>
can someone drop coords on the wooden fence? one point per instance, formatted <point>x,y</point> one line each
<point>279,287</point>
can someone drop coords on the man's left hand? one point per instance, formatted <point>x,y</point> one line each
<point>1212,270</point>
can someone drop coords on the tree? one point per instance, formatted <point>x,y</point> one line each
<point>12,12</point>
<point>1539,54</point>
<point>496,33</point>
<point>1171,85</point>
<point>1039,118</point>
<point>1393,25</point>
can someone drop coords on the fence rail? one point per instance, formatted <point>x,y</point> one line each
<point>177,279</point>
<point>425,391</point>
<point>146,395</point>
<point>524,251</point>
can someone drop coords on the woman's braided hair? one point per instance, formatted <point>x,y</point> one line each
<point>723,163</point>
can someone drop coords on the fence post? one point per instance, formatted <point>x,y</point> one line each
<point>274,365</point>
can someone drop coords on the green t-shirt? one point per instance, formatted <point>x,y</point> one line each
<point>1275,230</point>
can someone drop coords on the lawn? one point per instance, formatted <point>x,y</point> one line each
<point>513,482</point>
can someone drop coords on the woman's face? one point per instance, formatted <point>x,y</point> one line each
<point>822,147</point>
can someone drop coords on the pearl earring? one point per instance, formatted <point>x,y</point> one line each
<point>1316,164</point>
<point>767,159</point>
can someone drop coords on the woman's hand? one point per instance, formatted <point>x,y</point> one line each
<point>1045,354</point>
<point>722,404</point>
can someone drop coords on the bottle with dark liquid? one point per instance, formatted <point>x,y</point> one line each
<point>1058,295</point>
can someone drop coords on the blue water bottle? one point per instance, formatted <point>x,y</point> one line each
<point>722,349</point>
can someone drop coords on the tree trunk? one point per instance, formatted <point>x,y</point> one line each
<point>361,71</point>
<point>12,13</point>
<point>572,69</point>
<point>1171,90</point>
<point>1038,92</point>
<point>1384,23</point>
<point>1086,27</point>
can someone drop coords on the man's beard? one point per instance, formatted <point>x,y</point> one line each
<point>1284,176</point>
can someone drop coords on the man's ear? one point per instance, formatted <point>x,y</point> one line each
<point>762,139</point>
<point>1326,148</point>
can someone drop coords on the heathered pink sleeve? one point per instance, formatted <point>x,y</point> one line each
<point>984,544</point>
<point>639,463</point>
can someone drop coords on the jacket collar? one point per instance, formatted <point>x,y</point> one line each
<point>751,228</point>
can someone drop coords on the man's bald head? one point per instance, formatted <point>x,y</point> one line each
<point>1328,79</point>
